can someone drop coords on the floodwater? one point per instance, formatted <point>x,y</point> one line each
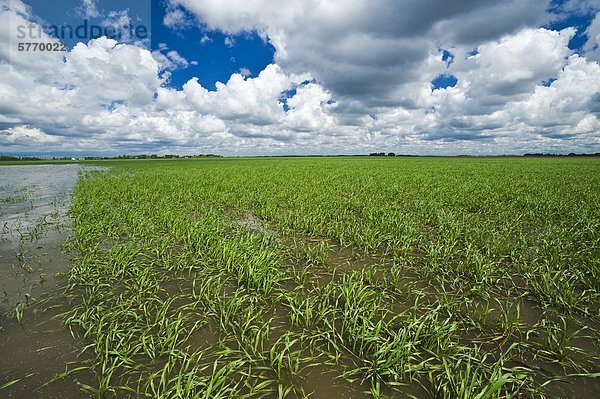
<point>34,200</point>
<point>35,347</point>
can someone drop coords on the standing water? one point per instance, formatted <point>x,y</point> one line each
<point>35,347</point>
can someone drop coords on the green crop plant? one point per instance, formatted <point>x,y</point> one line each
<point>402,277</point>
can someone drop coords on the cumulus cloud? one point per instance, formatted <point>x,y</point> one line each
<point>309,109</point>
<point>348,77</point>
<point>500,99</point>
<point>510,68</point>
<point>568,106</point>
<point>110,96</point>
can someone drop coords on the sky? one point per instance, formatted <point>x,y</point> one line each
<point>265,77</point>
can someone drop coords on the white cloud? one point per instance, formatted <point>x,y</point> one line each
<point>205,39</point>
<point>25,135</point>
<point>510,68</point>
<point>564,107</point>
<point>309,109</point>
<point>170,60</point>
<point>109,96</point>
<point>229,41</point>
<point>88,9</point>
<point>177,19</point>
<point>499,99</point>
<point>592,46</point>
<point>240,100</point>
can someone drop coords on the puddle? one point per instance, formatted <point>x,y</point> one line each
<point>324,382</point>
<point>30,278</point>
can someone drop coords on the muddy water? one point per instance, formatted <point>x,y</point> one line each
<point>34,346</point>
<point>33,204</point>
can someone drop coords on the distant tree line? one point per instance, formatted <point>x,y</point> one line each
<point>572,154</point>
<point>382,154</point>
<point>11,158</point>
<point>156,156</point>
<point>175,156</point>
<point>140,156</point>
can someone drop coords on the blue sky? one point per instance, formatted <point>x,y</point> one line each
<point>73,13</point>
<point>308,77</point>
<point>216,60</point>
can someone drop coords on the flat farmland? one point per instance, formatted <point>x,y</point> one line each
<point>343,277</point>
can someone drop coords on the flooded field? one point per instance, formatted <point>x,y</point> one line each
<point>308,278</point>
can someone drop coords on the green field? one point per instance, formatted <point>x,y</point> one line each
<point>338,277</point>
